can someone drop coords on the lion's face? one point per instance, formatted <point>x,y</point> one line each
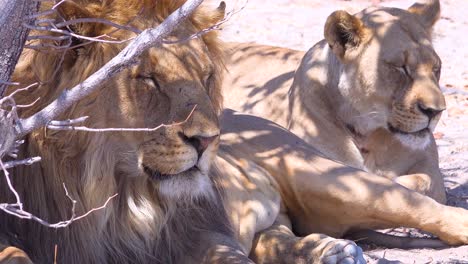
<point>171,84</point>
<point>391,72</point>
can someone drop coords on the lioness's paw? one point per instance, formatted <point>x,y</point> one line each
<point>454,229</point>
<point>341,251</point>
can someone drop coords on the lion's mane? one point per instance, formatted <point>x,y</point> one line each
<point>138,226</point>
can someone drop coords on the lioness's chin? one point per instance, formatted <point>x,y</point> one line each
<point>418,140</point>
<point>189,184</point>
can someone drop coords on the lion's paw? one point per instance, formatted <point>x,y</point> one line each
<point>341,251</point>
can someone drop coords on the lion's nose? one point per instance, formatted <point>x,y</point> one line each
<point>201,143</point>
<point>430,112</point>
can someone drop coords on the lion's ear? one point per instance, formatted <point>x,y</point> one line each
<point>220,11</point>
<point>344,32</point>
<point>70,10</point>
<point>207,18</point>
<point>216,15</point>
<point>428,12</point>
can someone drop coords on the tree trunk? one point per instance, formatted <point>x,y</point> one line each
<point>13,13</point>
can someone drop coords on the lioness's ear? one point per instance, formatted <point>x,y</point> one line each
<point>344,32</point>
<point>428,12</point>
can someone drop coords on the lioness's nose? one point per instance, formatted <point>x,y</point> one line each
<point>201,143</point>
<point>430,112</point>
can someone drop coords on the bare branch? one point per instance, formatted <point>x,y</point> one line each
<point>7,131</point>
<point>39,14</point>
<point>2,82</point>
<point>44,21</point>
<point>14,163</point>
<point>55,38</point>
<point>97,20</point>
<point>9,146</point>
<point>20,90</point>
<point>14,209</point>
<point>68,122</point>
<point>57,4</point>
<point>46,28</point>
<point>74,217</point>
<point>68,34</point>
<point>30,104</point>
<point>10,186</point>
<point>45,46</point>
<point>67,125</point>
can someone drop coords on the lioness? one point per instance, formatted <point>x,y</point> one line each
<point>168,208</point>
<point>369,100</point>
<point>366,96</point>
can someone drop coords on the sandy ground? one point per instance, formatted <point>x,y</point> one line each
<point>299,24</point>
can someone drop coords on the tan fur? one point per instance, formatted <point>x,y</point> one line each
<point>340,102</point>
<point>167,210</point>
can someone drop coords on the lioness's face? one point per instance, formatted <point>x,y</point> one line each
<point>391,78</point>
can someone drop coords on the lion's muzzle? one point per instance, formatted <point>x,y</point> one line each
<point>181,150</point>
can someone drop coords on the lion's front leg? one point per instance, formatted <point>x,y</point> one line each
<point>278,244</point>
<point>13,255</point>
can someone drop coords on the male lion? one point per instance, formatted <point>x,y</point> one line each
<point>366,96</point>
<point>168,208</point>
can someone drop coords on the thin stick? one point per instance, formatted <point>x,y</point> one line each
<point>97,20</point>
<point>57,125</point>
<point>14,163</point>
<point>10,186</point>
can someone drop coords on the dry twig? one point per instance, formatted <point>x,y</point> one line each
<point>68,125</point>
